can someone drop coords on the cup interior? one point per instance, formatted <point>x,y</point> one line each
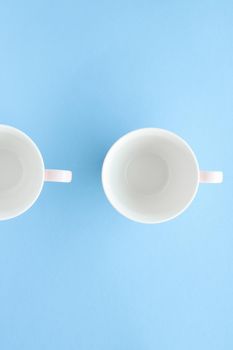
<point>21,172</point>
<point>150,175</point>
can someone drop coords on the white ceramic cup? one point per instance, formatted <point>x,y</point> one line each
<point>152,175</point>
<point>22,172</point>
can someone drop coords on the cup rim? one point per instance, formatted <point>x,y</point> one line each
<point>120,141</point>
<point>40,158</point>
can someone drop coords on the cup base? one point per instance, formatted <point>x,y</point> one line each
<point>11,170</point>
<point>147,174</point>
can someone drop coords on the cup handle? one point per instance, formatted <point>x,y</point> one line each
<point>53,175</point>
<point>210,177</point>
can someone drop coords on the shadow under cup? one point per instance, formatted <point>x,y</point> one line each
<point>150,175</point>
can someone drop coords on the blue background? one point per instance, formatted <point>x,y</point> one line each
<point>75,76</point>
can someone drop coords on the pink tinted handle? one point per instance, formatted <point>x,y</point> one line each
<point>211,177</point>
<point>53,175</point>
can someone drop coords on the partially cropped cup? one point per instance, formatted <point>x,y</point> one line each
<point>22,172</point>
<point>152,175</point>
